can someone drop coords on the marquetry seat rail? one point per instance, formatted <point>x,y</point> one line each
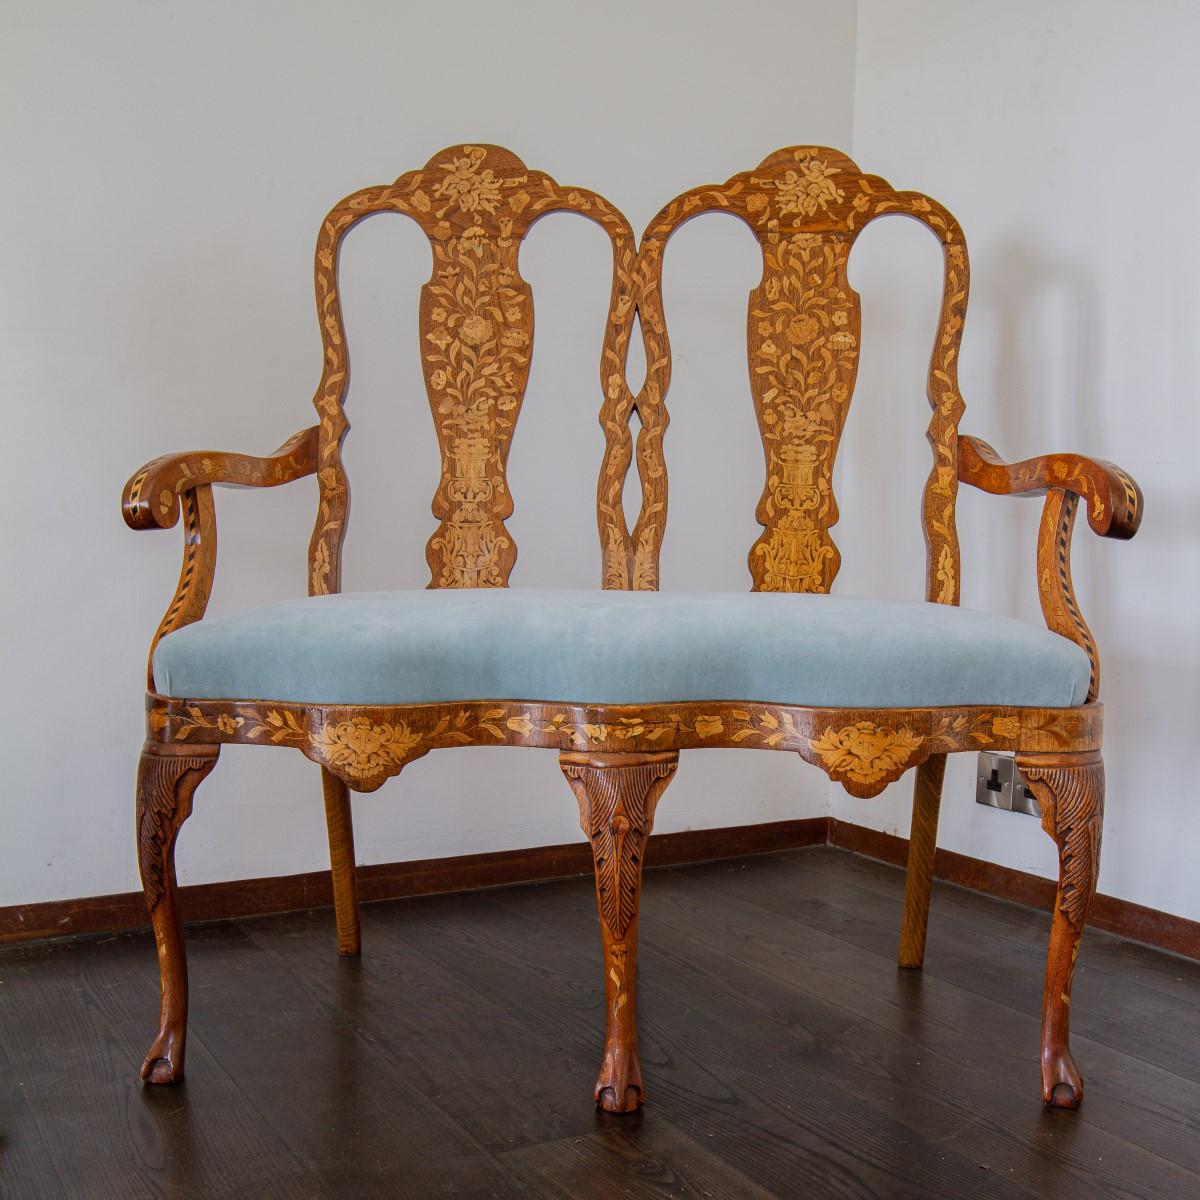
<point>621,679</point>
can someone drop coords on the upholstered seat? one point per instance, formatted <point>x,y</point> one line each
<point>612,647</point>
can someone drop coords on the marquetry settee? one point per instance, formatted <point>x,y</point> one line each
<point>619,680</point>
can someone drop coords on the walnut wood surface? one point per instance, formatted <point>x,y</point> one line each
<point>156,495</point>
<point>339,824</point>
<point>476,204</point>
<point>167,778</point>
<point>1070,789</point>
<point>617,795</point>
<point>151,497</point>
<point>458,1062</point>
<point>922,845</point>
<point>806,206</point>
<point>1056,588</point>
<point>1113,503</point>
<point>196,574</point>
<point>1112,498</point>
<point>863,749</point>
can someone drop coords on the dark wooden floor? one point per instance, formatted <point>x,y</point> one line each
<point>785,1055</point>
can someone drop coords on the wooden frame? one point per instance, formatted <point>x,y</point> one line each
<point>806,206</point>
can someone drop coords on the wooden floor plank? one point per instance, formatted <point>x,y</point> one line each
<point>1003,966</point>
<point>75,1039</point>
<point>479,1062</point>
<point>785,1054</point>
<point>882,1079</point>
<point>1153,980</point>
<point>630,1157</point>
<point>943,1008</point>
<point>348,1109</point>
<point>699,1061</point>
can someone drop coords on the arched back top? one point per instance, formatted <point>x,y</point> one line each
<point>475,203</point>
<point>806,206</point>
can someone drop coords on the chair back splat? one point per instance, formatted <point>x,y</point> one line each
<point>805,205</point>
<point>476,204</point>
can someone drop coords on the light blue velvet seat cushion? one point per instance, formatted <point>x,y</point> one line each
<point>607,647</point>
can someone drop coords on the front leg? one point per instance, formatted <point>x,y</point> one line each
<point>1070,788</point>
<point>617,795</point>
<point>168,775</point>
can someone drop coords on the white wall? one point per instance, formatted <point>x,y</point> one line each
<point>1062,137</point>
<point>167,166</point>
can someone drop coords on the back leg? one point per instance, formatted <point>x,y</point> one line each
<point>168,775</point>
<point>922,845</point>
<point>340,823</point>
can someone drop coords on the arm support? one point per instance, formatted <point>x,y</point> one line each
<point>1113,503</point>
<point>1113,500</point>
<point>154,497</point>
<point>151,497</point>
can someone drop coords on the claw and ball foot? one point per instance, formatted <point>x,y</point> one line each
<point>168,775</point>
<point>617,795</point>
<point>1070,788</point>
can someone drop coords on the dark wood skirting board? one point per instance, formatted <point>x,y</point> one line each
<point>392,881</point>
<point>1164,930</point>
<point>388,881</point>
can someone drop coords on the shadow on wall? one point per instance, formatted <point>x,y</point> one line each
<point>1044,324</point>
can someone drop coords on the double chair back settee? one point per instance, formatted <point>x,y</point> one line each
<point>621,679</point>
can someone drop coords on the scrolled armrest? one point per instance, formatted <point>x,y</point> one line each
<point>1112,499</point>
<point>151,498</point>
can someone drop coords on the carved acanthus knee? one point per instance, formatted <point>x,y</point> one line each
<point>1070,788</point>
<point>168,776</point>
<point>617,796</point>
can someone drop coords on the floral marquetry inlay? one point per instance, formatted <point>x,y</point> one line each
<point>806,205</point>
<point>366,745</point>
<point>476,204</point>
<point>804,327</point>
<point>479,317</point>
<point>865,752</point>
<point>364,748</point>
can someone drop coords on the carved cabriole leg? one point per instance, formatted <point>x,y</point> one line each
<point>340,824</point>
<point>922,843</point>
<point>168,775</point>
<point>617,795</point>
<point>1070,788</point>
